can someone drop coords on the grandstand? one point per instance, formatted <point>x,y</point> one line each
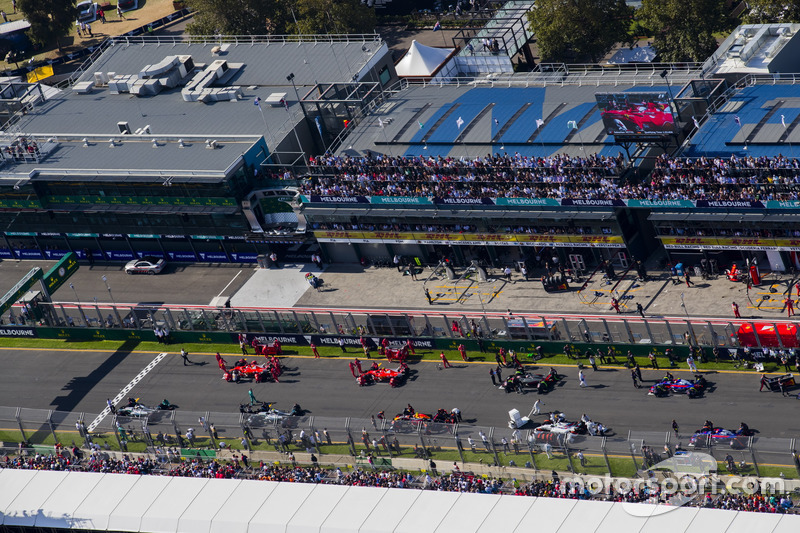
<point>496,117</point>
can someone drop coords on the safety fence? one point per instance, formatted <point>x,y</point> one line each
<point>373,442</point>
<point>440,330</point>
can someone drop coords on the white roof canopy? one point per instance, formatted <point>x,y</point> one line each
<point>120,502</point>
<point>421,60</point>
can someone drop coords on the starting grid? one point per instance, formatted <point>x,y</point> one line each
<point>125,390</point>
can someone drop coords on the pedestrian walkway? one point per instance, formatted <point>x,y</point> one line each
<point>357,287</point>
<point>275,287</point>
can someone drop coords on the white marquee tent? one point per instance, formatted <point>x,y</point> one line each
<point>156,504</point>
<point>421,60</point>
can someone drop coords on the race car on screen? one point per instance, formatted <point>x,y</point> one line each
<point>670,385</point>
<point>711,436</point>
<point>648,117</point>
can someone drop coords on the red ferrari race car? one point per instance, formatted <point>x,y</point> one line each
<point>257,372</point>
<point>395,377</point>
<point>396,354</point>
<point>649,117</point>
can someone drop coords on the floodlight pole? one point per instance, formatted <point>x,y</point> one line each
<point>290,78</point>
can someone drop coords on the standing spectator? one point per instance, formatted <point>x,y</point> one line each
<point>253,400</point>
<point>690,362</point>
<point>119,12</point>
<point>492,375</point>
<point>653,360</point>
<point>463,351</point>
<point>428,296</point>
<point>735,307</point>
<point>581,458</point>
<point>785,361</point>
<point>593,363</point>
<point>764,383</point>
<point>582,378</point>
<point>485,440</point>
<point>789,306</point>
<point>314,350</point>
<point>548,450</point>
<point>507,273</point>
<point>101,14</point>
<point>675,427</point>
<point>688,278</point>
<point>89,31</point>
<point>111,406</point>
<point>14,5</point>
<point>524,271</point>
<point>640,309</point>
<point>615,305</point>
<point>633,377</point>
<point>638,372</point>
<point>5,17</point>
<point>341,344</point>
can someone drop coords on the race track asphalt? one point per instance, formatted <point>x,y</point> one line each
<point>71,381</point>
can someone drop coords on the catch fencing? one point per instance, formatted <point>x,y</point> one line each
<point>376,442</point>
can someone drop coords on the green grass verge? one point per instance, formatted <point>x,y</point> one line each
<point>330,352</point>
<point>595,464</point>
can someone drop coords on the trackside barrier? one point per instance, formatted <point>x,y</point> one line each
<point>382,443</point>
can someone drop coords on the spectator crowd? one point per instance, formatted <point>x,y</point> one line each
<point>561,176</point>
<point>241,468</point>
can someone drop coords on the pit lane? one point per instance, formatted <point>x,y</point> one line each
<point>195,284</point>
<point>65,380</point>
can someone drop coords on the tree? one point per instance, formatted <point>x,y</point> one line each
<point>567,30</point>
<point>683,29</point>
<point>50,20</point>
<point>276,17</point>
<point>334,16</point>
<point>238,17</point>
<point>767,11</point>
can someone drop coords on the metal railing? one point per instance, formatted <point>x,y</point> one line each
<point>447,325</point>
<point>203,433</point>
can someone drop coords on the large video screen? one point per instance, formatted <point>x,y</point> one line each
<point>636,113</point>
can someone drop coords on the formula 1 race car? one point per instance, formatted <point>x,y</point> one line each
<point>395,377</point>
<point>574,428</point>
<point>259,373</point>
<point>395,354</point>
<point>542,382</point>
<point>720,437</point>
<point>670,385</point>
<point>134,409</point>
<point>268,415</point>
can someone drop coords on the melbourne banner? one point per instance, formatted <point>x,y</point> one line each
<point>332,340</point>
<point>17,331</point>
